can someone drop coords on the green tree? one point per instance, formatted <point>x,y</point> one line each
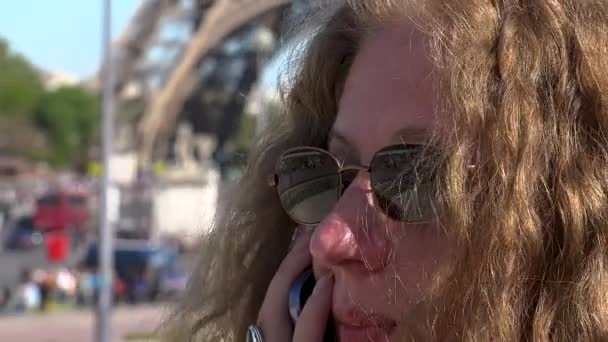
<point>59,126</point>
<point>20,85</point>
<point>19,137</point>
<point>20,91</point>
<point>69,116</point>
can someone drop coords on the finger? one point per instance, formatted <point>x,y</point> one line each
<point>296,261</point>
<point>312,322</point>
<point>274,313</point>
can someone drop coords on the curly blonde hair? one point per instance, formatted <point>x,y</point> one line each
<point>523,88</point>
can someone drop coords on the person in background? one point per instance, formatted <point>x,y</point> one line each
<point>28,294</point>
<point>5,297</point>
<point>47,285</point>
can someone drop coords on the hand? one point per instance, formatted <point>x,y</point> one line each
<point>274,320</point>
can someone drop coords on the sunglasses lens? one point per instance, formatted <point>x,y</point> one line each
<point>403,183</point>
<point>308,184</point>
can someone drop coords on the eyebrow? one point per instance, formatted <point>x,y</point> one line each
<point>412,135</point>
<point>335,135</point>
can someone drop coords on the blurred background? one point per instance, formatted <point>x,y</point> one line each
<point>195,81</point>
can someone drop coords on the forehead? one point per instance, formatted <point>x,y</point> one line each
<point>388,92</point>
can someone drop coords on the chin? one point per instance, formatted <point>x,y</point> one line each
<point>361,334</point>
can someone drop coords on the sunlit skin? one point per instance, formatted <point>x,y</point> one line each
<point>371,270</point>
<point>379,266</point>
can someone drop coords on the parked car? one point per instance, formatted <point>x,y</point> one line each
<point>155,264</point>
<point>172,282</point>
<point>23,235</point>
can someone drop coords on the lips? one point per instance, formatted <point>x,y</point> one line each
<point>352,334</point>
<point>356,324</point>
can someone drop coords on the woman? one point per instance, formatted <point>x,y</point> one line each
<point>477,207</point>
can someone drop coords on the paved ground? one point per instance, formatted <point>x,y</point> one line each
<point>78,326</point>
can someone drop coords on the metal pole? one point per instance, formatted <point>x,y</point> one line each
<point>104,302</point>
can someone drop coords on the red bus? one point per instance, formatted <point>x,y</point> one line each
<point>61,210</point>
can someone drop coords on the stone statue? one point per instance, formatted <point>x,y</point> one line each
<point>205,145</point>
<point>184,149</point>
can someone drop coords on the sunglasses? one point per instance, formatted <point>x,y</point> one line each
<point>310,181</point>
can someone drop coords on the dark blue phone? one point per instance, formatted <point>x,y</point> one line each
<point>299,292</point>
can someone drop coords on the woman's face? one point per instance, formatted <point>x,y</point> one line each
<point>380,266</point>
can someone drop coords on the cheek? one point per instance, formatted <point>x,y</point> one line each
<point>417,254</point>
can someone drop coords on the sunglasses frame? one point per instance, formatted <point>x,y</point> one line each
<point>342,167</point>
<point>273,180</point>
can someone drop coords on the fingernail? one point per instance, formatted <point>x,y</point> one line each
<point>323,283</point>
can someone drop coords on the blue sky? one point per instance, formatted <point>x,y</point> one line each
<point>63,35</point>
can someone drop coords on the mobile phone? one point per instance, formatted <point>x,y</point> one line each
<point>299,292</point>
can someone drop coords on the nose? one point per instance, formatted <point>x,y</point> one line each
<point>352,235</point>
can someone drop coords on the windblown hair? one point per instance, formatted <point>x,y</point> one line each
<point>523,95</point>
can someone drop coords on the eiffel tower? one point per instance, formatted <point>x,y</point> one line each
<point>175,56</point>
